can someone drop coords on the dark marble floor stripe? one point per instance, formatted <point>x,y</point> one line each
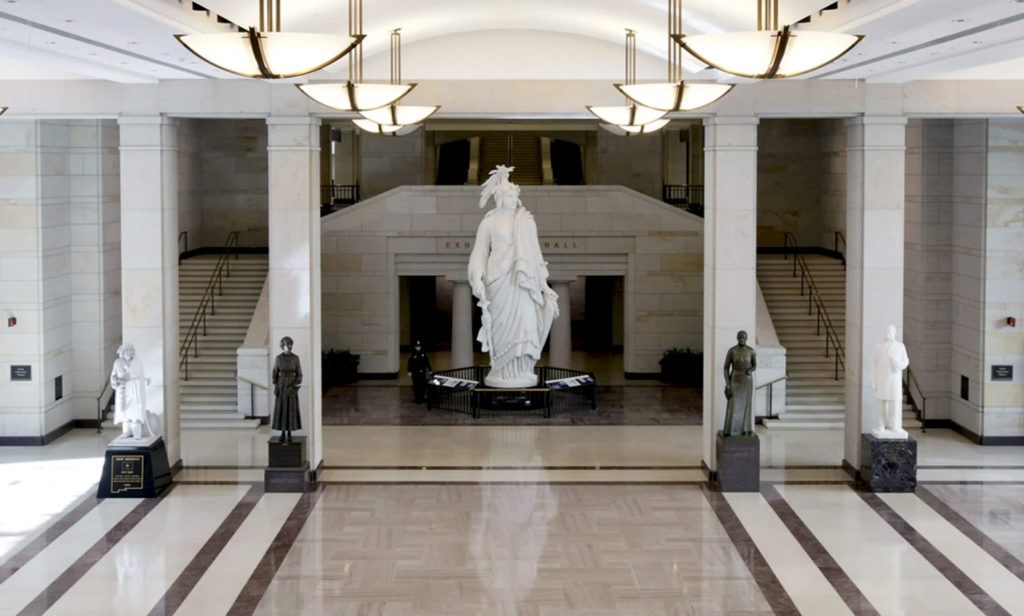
<point>832,571</point>
<point>76,512</point>
<point>954,574</point>
<point>251,594</point>
<point>196,569</point>
<point>972,532</point>
<point>771,588</point>
<point>46,599</point>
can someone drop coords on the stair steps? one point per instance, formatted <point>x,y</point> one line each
<point>209,398</point>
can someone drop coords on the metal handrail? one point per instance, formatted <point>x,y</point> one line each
<point>771,388</point>
<point>99,406</point>
<point>924,401</point>
<point>191,339</point>
<point>252,393</point>
<point>183,234</point>
<point>835,242</point>
<point>814,300</point>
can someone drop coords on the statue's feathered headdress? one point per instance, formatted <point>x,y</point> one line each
<point>497,184</point>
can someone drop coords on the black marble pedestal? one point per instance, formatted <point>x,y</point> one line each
<point>888,465</point>
<point>135,468</point>
<point>288,469</point>
<point>738,461</point>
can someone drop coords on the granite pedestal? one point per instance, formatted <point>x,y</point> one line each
<point>888,465</point>
<point>738,461</point>
<point>135,468</point>
<point>288,469</point>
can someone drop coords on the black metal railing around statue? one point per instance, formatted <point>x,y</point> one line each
<point>558,390</point>
<point>339,195</point>
<point>689,197</point>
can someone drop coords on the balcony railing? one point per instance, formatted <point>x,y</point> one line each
<point>336,196</point>
<point>689,197</point>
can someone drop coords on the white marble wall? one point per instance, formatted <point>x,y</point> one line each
<point>57,234</point>
<point>1004,278</point>
<point>386,162</point>
<point>788,176</point>
<point>927,281</point>
<point>831,181</point>
<point>586,230</point>
<point>634,162</point>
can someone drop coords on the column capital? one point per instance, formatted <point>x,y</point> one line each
<point>892,120</point>
<point>147,120</point>
<point>729,120</point>
<point>293,121</point>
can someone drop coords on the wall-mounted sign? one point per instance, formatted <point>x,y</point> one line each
<point>1002,373</point>
<point>127,472</point>
<point>965,388</point>
<point>58,387</point>
<point>21,373</point>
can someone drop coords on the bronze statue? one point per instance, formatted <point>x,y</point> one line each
<point>740,362</point>
<point>287,376</point>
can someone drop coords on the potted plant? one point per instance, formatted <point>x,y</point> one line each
<point>339,367</point>
<point>682,367</point>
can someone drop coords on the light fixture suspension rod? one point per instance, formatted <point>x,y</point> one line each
<point>396,56</point>
<point>675,52</point>
<point>768,14</point>
<point>355,28</point>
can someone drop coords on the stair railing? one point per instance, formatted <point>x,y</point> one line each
<point>252,394</point>
<point>100,406</point>
<point>771,386</point>
<point>922,408</point>
<point>833,345</point>
<point>190,342</point>
<point>181,253</point>
<point>835,243</point>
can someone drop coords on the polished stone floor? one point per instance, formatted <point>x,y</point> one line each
<point>519,520</point>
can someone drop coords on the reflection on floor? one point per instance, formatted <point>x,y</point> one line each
<point>524,520</point>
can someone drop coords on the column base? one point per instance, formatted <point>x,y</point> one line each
<point>888,465</point>
<point>738,460</point>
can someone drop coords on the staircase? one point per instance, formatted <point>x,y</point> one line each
<point>209,398</point>
<point>519,150</point>
<point>815,399</point>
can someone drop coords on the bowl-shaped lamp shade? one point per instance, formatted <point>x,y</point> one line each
<point>679,96</point>
<point>768,54</point>
<point>396,115</point>
<point>628,115</point>
<point>385,129</point>
<point>627,130</point>
<point>350,96</point>
<point>3,109</point>
<point>1020,108</point>
<point>269,55</point>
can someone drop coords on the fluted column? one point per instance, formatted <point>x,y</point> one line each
<point>560,353</point>
<point>462,324</point>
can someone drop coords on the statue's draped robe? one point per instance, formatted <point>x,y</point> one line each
<point>739,407</point>
<point>887,364</point>
<point>286,376</point>
<point>521,306</point>
<point>130,399</point>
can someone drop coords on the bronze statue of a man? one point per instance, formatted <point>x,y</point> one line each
<point>740,362</point>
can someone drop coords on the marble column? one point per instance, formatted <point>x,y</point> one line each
<point>730,257</point>
<point>560,352</point>
<point>875,161</point>
<point>149,261</point>
<point>462,324</point>
<point>293,159</point>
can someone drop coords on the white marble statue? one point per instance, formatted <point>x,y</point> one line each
<point>887,364</point>
<point>508,275</point>
<point>129,384</point>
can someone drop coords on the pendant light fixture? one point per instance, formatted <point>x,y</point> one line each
<point>392,115</point>
<point>354,95</point>
<point>268,53</point>
<point>2,110</point>
<point>768,53</point>
<point>631,118</point>
<point>675,95</point>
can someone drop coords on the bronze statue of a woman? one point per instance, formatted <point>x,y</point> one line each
<point>287,376</point>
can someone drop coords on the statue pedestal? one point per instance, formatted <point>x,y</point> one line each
<point>288,469</point>
<point>888,465</point>
<point>738,460</point>
<point>135,468</point>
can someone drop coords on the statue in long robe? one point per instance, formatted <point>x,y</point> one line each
<point>286,376</point>
<point>887,363</point>
<point>128,380</point>
<point>508,276</point>
<point>740,363</point>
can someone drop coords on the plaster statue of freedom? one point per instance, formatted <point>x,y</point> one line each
<point>508,276</point>
<point>128,380</point>
<point>887,364</point>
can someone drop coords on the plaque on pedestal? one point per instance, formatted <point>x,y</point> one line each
<point>135,468</point>
<point>888,465</point>
<point>739,463</point>
<point>288,470</point>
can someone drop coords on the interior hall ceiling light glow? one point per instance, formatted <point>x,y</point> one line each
<point>676,95</point>
<point>398,115</point>
<point>768,52</point>
<point>2,110</point>
<point>631,114</point>
<point>627,130</point>
<point>1020,108</point>
<point>354,95</point>
<point>385,129</point>
<point>268,53</point>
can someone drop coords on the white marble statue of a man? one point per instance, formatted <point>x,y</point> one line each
<point>887,364</point>
<point>129,384</point>
<point>508,276</point>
